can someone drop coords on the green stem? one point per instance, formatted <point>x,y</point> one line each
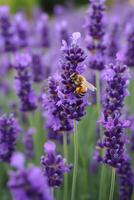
<point>66,175</point>
<point>98,101</point>
<point>32,124</point>
<point>52,191</point>
<point>75,171</point>
<point>102,175</point>
<point>111,196</point>
<point>102,181</point>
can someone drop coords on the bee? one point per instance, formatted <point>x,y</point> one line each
<point>82,85</point>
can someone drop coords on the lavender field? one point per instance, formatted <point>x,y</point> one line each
<point>67,101</point>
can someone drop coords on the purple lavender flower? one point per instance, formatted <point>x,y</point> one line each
<point>96,31</point>
<point>54,165</point>
<point>126,179</point>
<point>29,143</point>
<point>43,31</point>
<point>22,29</point>
<point>116,91</point>
<point>74,99</point>
<point>23,82</point>
<point>113,39</point>
<point>129,50</point>
<point>132,142</point>
<point>23,182</point>
<point>62,28</point>
<point>37,67</point>
<point>131,119</point>
<point>7,30</point>
<point>9,133</point>
<point>115,140</point>
<point>58,122</point>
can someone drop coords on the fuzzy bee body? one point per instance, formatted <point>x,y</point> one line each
<point>82,85</point>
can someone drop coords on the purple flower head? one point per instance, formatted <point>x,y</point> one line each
<point>96,31</point>
<point>29,143</point>
<point>73,88</point>
<point>126,178</point>
<point>49,147</point>
<point>129,49</point>
<point>116,91</point>
<point>23,184</point>
<point>7,30</point>
<point>113,39</point>
<point>22,29</point>
<point>58,122</point>
<point>4,11</point>
<point>38,67</point>
<point>28,99</point>
<point>115,140</point>
<point>62,29</point>
<point>9,133</point>
<point>18,160</point>
<point>23,60</point>
<point>54,165</point>
<point>43,30</point>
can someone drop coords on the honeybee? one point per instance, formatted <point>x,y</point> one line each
<point>82,85</point>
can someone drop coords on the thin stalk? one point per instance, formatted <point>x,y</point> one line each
<point>52,191</point>
<point>75,171</point>
<point>111,196</point>
<point>98,99</point>
<point>102,175</point>
<point>66,175</point>
<point>102,183</point>
<point>32,120</point>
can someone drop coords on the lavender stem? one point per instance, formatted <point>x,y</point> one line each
<point>111,196</point>
<point>98,99</point>
<point>102,176</point>
<point>75,171</point>
<point>66,175</point>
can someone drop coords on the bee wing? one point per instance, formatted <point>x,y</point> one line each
<point>90,86</point>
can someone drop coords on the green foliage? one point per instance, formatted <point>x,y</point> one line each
<point>15,5</point>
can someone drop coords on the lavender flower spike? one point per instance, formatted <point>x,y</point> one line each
<point>53,165</point>
<point>115,139</point>
<point>9,132</point>
<point>28,99</point>
<point>7,30</point>
<point>58,122</point>
<point>96,32</point>
<point>74,85</point>
<point>129,49</point>
<point>117,78</point>
<point>23,182</point>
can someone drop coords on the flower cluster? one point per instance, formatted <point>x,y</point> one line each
<point>22,30</point>
<point>27,183</point>
<point>37,67</point>
<point>9,132</point>
<point>96,31</point>
<point>58,122</point>
<point>23,83</point>
<point>115,140</point>
<point>63,31</point>
<point>129,51</point>
<point>126,179</point>
<point>54,165</point>
<point>8,37</point>
<point>113,40</point>
<point>75,96</point>
<point>43,30</point>
<point>116,76</point>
